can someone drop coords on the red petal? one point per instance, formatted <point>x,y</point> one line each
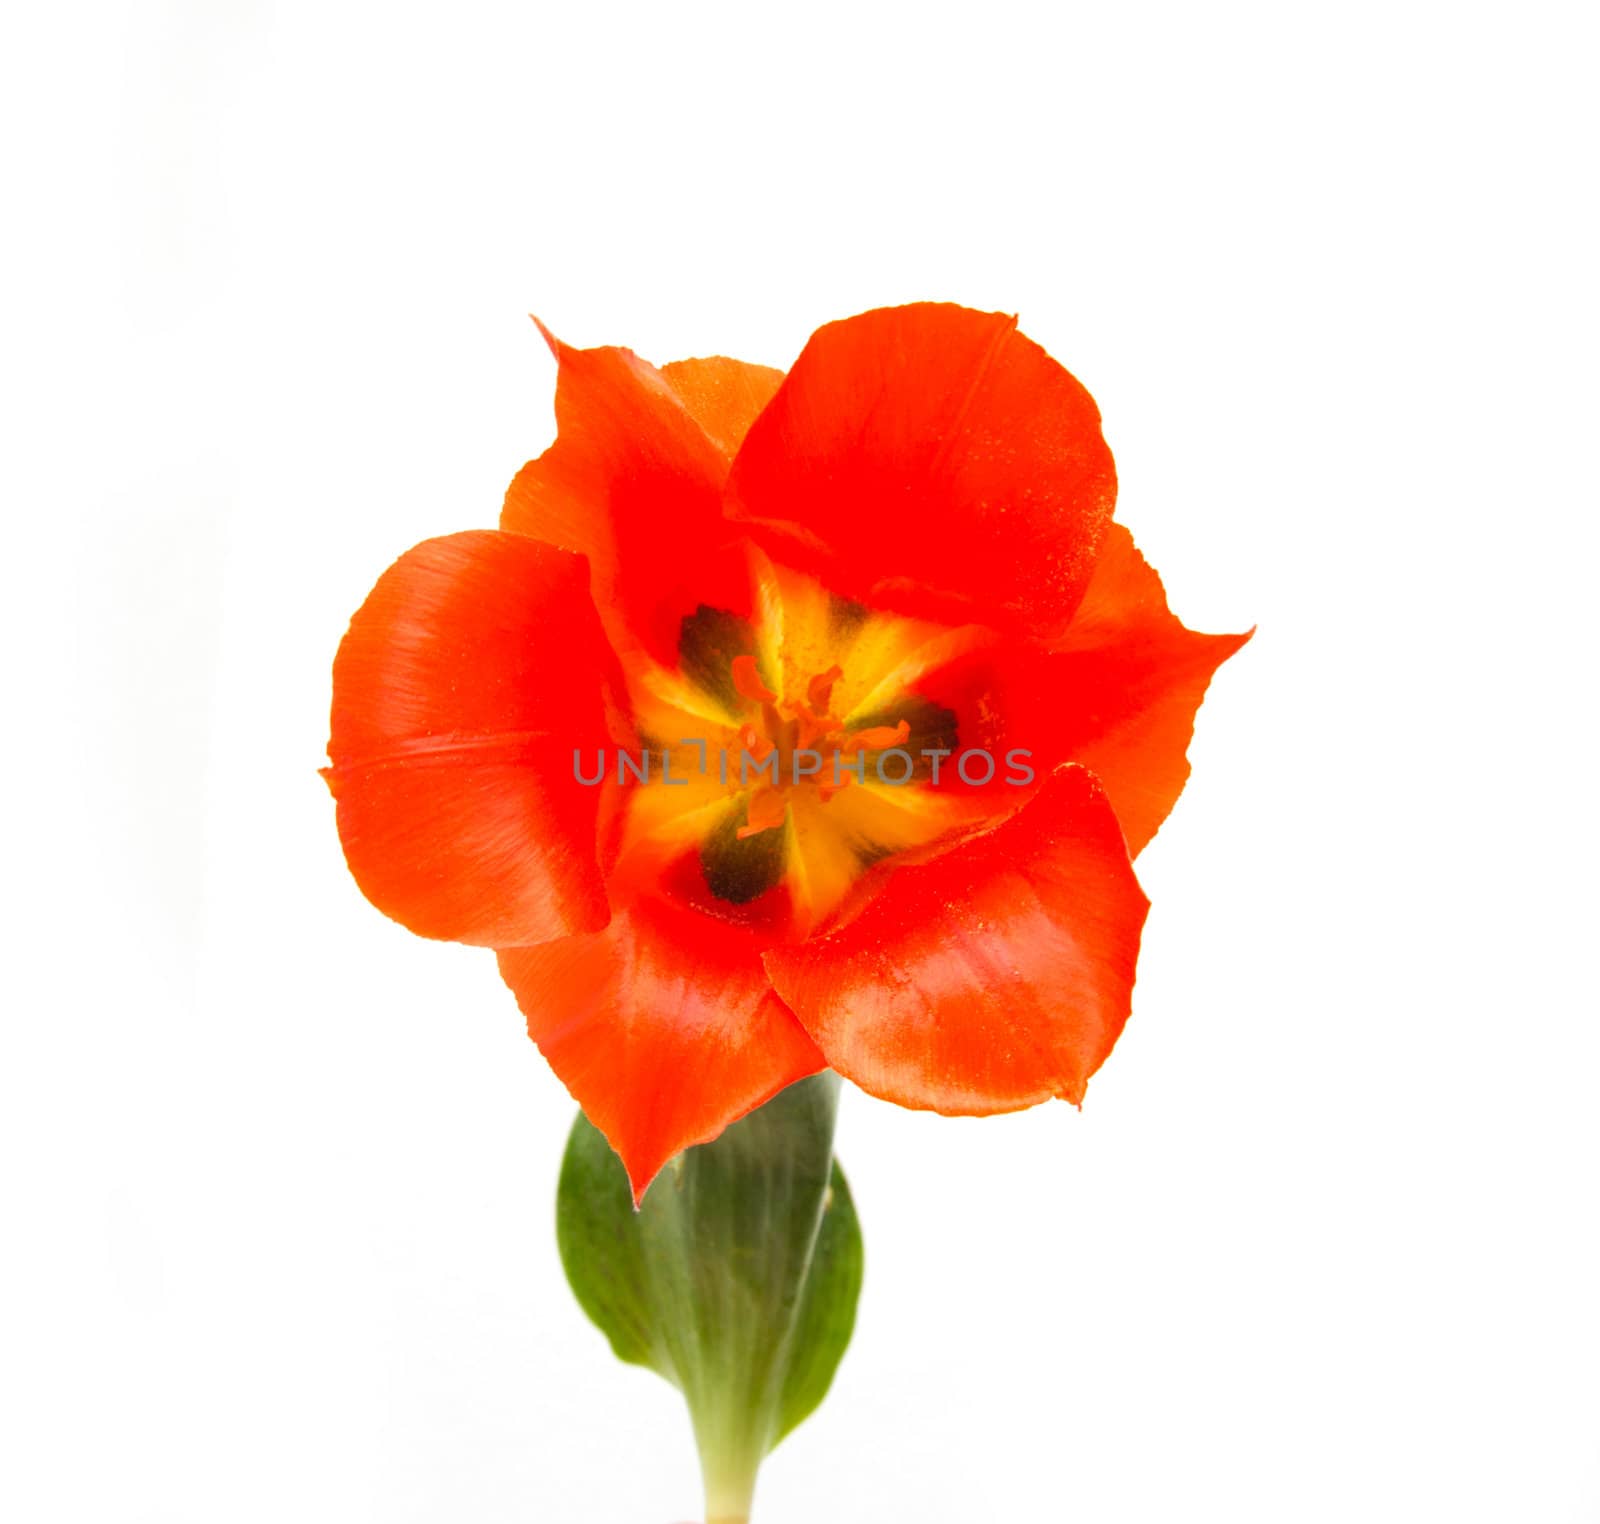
<point>990,978</point>
<point>930,459</point>
<point>1125,687</point>
<point>465,682</point>
<point>1118,695</point>
<point>723,396</point>
<point>663,1026</point>
<point>634,482</point>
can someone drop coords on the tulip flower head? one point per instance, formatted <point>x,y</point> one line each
<point>785,722</point>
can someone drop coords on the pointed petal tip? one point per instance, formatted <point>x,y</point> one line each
<point>1230,645</point>
<point>642,1174</point>
<point>555,344</point>
<point>641,1169</point>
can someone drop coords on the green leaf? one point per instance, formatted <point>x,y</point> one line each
<point>736,1280</point>
<point>828,1311</point>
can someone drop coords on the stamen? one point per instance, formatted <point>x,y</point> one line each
<point>826,791</point>
<point>747,681</point>
<point>768,807</point>
<point>878,737</point>
<point>820,688</point>
<point>754,741</point>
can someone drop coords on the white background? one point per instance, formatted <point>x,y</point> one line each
<point>278,1176</point>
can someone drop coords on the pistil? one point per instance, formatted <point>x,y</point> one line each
<point>801,725</point>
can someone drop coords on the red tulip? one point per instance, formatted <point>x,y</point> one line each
<point>898,558</point>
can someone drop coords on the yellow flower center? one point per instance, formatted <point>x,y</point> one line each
<point>774,727</point>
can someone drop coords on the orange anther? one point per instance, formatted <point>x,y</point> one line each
<point>755,743</point>
<point>879,737</point>
<point>819,689</point>
<point>767,810</point>
<point>748,681</point>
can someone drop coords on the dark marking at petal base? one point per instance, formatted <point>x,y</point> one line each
<point>868,852</point>
<point>845,617</point>
<point>741,871</point>
<point>708,641</point>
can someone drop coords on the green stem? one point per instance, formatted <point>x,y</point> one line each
<point>777,1194</point>
<point>729,1463</point>
<point>728,1499</point>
